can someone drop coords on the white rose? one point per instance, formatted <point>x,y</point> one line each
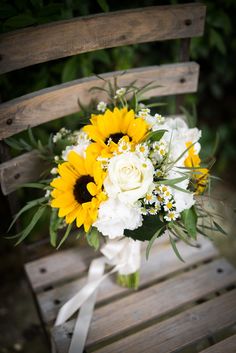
<point>129,177</point>
<point>114,217</point>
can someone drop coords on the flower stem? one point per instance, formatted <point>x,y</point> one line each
<point>129,281</point>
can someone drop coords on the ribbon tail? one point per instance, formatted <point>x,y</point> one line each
<point>81,329</point>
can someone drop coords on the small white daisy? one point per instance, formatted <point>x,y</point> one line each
<point>54,171</point>
<point>47,193</point>
<point>149,198</point>
<point>124,146</point>
<point>171,216</point>
<point>120,92</point>
<point>159,118</point>
<point>142,149</point>
<point>169,205</point>
<point>101,107</point>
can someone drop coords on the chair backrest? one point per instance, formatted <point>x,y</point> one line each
<point>60,39</point>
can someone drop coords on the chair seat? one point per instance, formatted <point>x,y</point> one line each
<point>178,304</point>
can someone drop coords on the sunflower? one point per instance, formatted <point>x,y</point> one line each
<point>109,128</point>
<point>199,175</point>
<point>78,191</point>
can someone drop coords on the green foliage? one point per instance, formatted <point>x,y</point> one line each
<point>151,225</point>
<point>93,238</point>
<point>189,219</point>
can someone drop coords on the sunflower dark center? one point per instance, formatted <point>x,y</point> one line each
<point>114,137</point>
<point>80,191</point>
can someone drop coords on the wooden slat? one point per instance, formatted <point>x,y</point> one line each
<point>226,346</point>
<point>58,101</point>
<point>18,171</point>
<point>161,263</point>
<point>59,267</point>
<point>183,330</point>
<point>121,317</point>
<point>64,38</point>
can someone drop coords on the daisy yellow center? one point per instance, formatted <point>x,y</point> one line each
<point>80,190</point>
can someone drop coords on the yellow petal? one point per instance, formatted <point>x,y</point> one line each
<point>80,218</point>
<point>92,188</point>
<point>77,162</point>
<point>72,215</point>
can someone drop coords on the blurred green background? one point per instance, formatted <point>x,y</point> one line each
<point>215,52</point>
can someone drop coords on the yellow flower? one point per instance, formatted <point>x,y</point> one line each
<point>78,191</point>
<point>199,175</point>
<point>107,129</point>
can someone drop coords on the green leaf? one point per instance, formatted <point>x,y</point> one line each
<point>189,219</point>
<point>104,5</point>
<point>173,244</point>
<point>155,236</point>
<point>172,182</point>
<point>181,234</point>
<point>14,144</point>
<point>93,238</point>
<point>151,224</point>
<point>67,233</point>
<point>32,185</point>
<point>19,21</point>
<point>220,229</point>
<point>155,135</point>
<point>53,226</point>
<point>27,207</point>
<point>38,214</point>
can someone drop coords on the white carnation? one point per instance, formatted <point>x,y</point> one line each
<point>129,177</point>
<point>114,217</point>
<point>80,149</point>
<point>178,133</point>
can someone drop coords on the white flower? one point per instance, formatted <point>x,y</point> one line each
<point>179,134</point>
<point>183,200</point>
<point>142,149</point>
<point>123,146</point>
<point>159,119</point>
<point>115,216</point>
<point>169,205</point>
<point>101,107</point>
<point>171,216</point>
<point>120,92</point>
<point>150,198</point>
<point>47,193</point>
<point>81,137</point>
<point>56,159</point>
<point>129,177</point>
<point>80,149</point>
<point>54,171</point>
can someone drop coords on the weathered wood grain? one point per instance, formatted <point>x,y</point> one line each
<point>58,267</point>
<point>22,169</point>
<point>161,263</point>
<point>121,317</point>
<point>18,170</point>
<point>58,101</point>
<point>65,38</point>
<point>226,346</point>
<point>183,330</point>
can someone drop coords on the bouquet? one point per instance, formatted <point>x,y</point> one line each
<point>125,177</point>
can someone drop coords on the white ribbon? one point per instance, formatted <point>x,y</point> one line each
<point>124,255</point>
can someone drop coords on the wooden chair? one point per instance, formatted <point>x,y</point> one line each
<point>179,306</point>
